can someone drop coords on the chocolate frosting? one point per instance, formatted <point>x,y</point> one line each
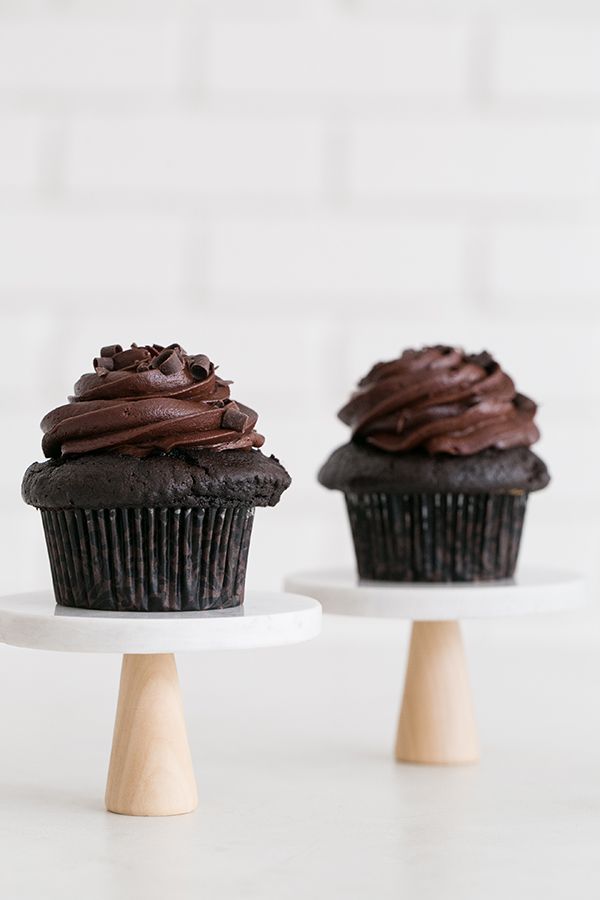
<point>147,399</point>
<point>441,400</point>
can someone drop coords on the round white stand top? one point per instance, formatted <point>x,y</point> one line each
<point>533,590</point>
<point>265,620</point>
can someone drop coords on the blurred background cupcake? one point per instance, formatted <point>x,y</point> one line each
<point>148,497</point>
<point>438,471</point>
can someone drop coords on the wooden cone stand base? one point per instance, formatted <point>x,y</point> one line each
<point>150,772</point>
<point>437,722</point>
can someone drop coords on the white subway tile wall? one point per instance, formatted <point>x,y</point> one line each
<point>300,189</point>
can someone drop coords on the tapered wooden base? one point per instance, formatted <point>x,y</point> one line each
<point>437,721</point>
<point>150,772</point>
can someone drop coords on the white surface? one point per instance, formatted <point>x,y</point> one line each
<point>299,798</point>
<point>265,620</point>
<point>534,590</point>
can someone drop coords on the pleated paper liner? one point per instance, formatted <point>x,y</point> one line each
<point>149,560</point>
<point>436,537</point>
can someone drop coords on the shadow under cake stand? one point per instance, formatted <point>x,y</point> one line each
<point>150,771</point>
<point>437,722</point>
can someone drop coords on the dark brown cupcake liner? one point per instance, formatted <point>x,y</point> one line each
<point>149,560</point>
<point>436,537</point>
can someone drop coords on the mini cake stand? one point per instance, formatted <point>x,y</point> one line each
<point>150,771</point>
<point>437,722</point>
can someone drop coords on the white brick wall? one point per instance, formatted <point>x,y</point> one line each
<point>546,263</point>
<point>299,189</point>
<point>212,155</point>
<point>554,60</point>
<point>49,251</point>
<point>337,57</point>
<point>475,157</point>
<point>62,54</point>
<point>20,137</point>
<point>340,257</point>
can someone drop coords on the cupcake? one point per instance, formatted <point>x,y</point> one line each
<point>438,470</point>
<point>148,495</point>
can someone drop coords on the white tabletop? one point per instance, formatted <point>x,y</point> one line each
<point>265,620</point>
<point>533,590</point>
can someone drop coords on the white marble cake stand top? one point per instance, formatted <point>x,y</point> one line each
<point>265,620</point>
<point>533,590</point>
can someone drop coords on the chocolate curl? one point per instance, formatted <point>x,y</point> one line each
<point>234,418</point>
<point>103,364</point>
<point>525,404</point>
<point>169,362</point>
<point>200,367</point>
<point>111,350</point>
<point>127,358</point>
<point>483,359</point>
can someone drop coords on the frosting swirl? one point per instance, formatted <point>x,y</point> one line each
<point>441,400</point>
<point>148,399</point>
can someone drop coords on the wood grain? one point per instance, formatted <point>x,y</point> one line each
<point>150,772</point>
<point>437,722</point>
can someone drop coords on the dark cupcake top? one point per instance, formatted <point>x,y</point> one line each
<point>148,399</point>
<point>442,400</point>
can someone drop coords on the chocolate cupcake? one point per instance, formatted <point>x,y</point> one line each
<point>438,471</point>
<point>148,496</point>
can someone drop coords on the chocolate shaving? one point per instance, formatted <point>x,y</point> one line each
<point>169,362</point>
<point>483,359</point>
<point>234,418</point>
<point>127,358</point>
<point>200,367</point>
<point>104,362</point>
<point>111,350</point>
<point>156,360</point>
